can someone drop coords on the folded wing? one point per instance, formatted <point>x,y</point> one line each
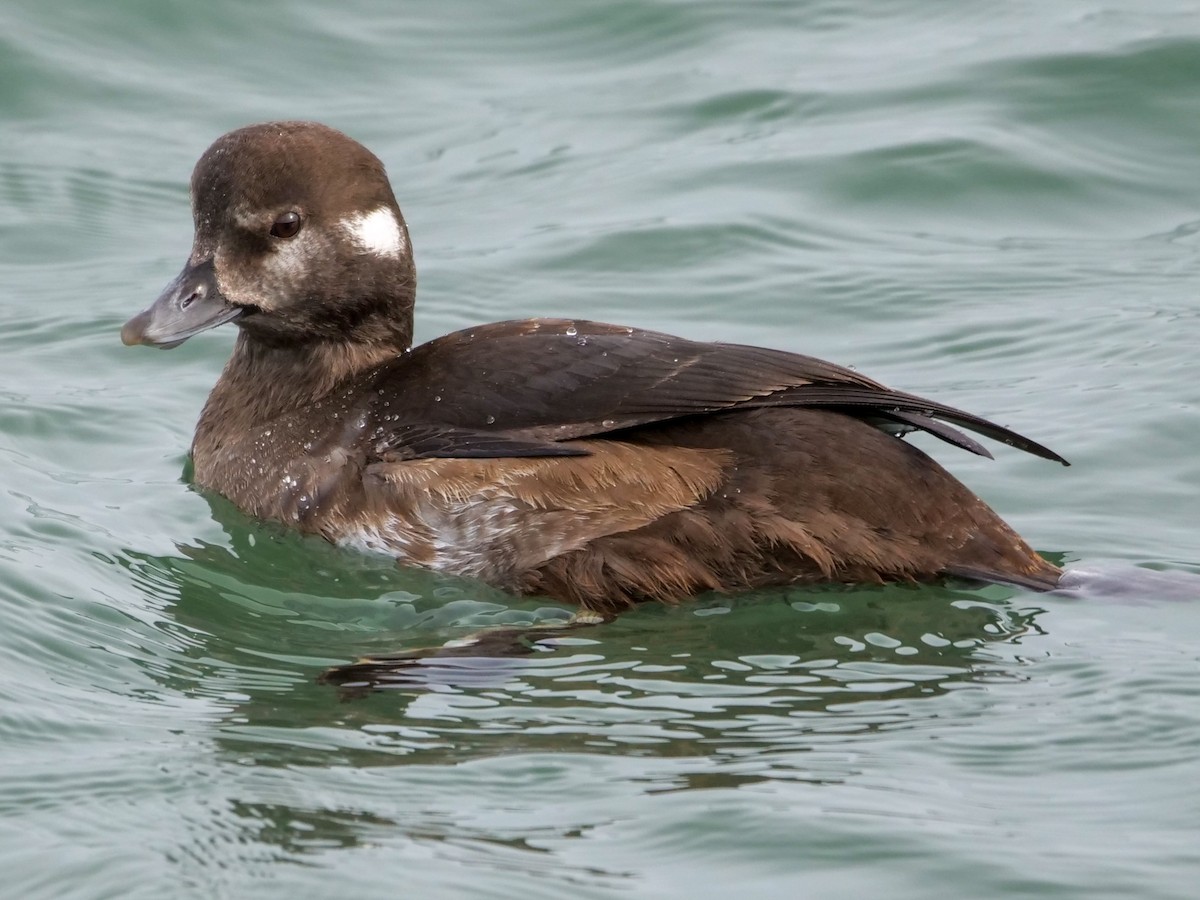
<point>532,383</point>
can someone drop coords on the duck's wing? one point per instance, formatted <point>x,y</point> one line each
<point>536,382</point>
<point>431,440</point>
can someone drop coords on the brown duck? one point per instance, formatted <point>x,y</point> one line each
<point>598,464</point>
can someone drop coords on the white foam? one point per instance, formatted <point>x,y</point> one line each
<point>376,232</point>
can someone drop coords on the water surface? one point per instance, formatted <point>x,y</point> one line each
<point>994,206</point>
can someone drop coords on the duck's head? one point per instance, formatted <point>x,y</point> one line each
<point>298,240</point>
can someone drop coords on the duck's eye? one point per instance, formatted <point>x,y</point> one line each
<point>286,226</point>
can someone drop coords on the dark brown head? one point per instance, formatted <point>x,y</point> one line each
<point>298,239</point>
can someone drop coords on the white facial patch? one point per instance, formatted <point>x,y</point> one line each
<point>376,232</point>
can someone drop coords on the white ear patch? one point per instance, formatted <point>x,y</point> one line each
<point>376,232</point>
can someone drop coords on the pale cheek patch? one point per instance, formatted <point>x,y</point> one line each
<point>376,232</point>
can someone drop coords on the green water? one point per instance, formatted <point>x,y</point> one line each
<point>997,205</point>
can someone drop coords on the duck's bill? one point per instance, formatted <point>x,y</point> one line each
<point>192,303</point>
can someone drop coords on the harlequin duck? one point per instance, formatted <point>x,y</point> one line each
<point>598,464</point>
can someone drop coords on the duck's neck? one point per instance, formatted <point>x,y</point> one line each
<point>262,382</point>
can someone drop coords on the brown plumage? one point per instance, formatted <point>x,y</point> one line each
<point>599,464</point>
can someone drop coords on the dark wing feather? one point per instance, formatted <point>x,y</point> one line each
<point>546,380</point>
<point>949,434</point>
<point>911,409</point>
<point>424,440</point>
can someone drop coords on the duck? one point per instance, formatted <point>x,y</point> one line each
<point>599,465</point>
